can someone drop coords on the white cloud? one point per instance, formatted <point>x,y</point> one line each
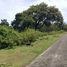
<point>8,8</point>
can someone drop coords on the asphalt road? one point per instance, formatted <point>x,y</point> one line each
<point>55,56</point>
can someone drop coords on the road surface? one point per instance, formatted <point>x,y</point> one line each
<point>55,56</point>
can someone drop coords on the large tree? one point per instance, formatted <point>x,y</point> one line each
<point>36,16</point>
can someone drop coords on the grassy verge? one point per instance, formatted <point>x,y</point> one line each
<point>21,56</point>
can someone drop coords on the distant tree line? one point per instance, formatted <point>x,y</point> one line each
<point>39,17</point>
<point>4,22</point>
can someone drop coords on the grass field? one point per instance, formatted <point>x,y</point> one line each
<point>21,56</point>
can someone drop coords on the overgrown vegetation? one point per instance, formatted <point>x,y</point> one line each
<point>9,37</point>
<point>35,29</point>
<point>29,25</point>
<point>21,56</point>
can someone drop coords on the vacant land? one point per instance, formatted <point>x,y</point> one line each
<point>21,56</point>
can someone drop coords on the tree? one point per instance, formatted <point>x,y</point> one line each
<point>22,21</point>
<point>4,22</point>
<point>36,16</point>
<point>65,26</point>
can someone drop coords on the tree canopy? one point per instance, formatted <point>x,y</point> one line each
<point>37,16</point>
<point>4,22</point>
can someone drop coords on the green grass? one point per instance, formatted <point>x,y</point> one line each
<point>21,56</point>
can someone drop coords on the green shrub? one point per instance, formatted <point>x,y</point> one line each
<point>10,38</point>
<point>30,35</point>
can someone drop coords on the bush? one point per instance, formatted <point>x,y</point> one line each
<point>10,38</point>
<point>30,35</point>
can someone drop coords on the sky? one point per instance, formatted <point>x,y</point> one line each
<point>8,8</point>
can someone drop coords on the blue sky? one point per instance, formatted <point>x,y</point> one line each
<point>8,8</point>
